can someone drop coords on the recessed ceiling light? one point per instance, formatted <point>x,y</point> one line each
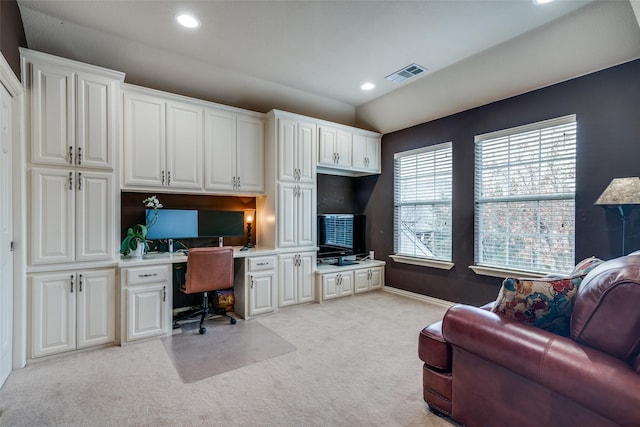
<point>188,21</point>
<point>367,86</point>
<point>542,1</point>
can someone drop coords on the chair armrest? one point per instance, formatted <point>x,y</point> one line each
<point>592,378</point>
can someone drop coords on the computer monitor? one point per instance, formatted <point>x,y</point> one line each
<point>173,224</point>
<point>220,223</point>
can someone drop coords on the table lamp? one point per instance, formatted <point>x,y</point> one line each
<point>623,194</point>
<point>249,217</point>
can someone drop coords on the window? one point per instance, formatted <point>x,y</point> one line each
<point>525,197</point>
<point>422,209</point>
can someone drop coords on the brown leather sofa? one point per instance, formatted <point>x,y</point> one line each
<point>482,369</point>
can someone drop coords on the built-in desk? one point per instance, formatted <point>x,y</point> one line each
<point>147,290</point>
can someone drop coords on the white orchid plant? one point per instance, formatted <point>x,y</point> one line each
<point>138,233</point>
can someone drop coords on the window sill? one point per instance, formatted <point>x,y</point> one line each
<point>502,272</point>
<point>444,265</point>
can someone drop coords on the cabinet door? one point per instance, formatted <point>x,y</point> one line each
<point>96,127</point>
<point>220,150</point>
<point>287,215</point>
<point>345,286</point>
<point>358,151</point>
<point>287,141</point>
<point>376,278</point>
<point>250,154</point>
<point>146,311</point>
<point>343,149</point>
<point>52,216</point>
<point>261,296</point>
<point>306,216</point>
<point>52,115</point>
<point>361,283</point>
<point>184,146</point>
<point>305,277</point>
<point>329,286</point>
<point>94,216</point>
<point>306,152</point>
<point>288,279</point>
<point>144,140</point>
<point>53,313</point>
<point>96,299</point>
<point>326,146</point>
<point>373,154</point>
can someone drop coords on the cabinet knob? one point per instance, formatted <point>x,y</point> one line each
<point>80,181</point>
<point>80,283</point>
<point>79,156</point>
<point>164,293</point>
<point>168,178</point>
<point>162,177</point>
<point>72,283</point>
<point>70,180</point>
<point>70,155</point>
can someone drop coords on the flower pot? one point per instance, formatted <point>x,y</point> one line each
<point>138,251</point>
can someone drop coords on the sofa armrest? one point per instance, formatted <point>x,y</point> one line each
<point>587,376</point>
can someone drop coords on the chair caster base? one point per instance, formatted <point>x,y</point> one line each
<point>232,321</point>
<point>202,330</point>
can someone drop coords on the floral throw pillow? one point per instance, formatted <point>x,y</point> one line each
<point>546,303</point>
<point>585,266</point>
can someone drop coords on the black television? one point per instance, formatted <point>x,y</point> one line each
<point>341,235</point>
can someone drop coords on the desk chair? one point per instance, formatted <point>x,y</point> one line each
<point>208,269</point>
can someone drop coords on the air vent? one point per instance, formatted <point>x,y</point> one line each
<point>406,73</point>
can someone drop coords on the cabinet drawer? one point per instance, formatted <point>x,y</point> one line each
<point>262,263</point>
<point>151,274</point>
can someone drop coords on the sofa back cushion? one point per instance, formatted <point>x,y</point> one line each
<point>606,312</point>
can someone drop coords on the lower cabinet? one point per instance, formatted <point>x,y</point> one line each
<point>258,295</point>
<point>334,281</point>
<point>296,278</point>
<point>71,310</point>
<point>146,302</point>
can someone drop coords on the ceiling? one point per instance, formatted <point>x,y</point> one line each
<point>311,57</point>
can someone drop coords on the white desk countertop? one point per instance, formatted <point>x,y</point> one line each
<point>176,257</point>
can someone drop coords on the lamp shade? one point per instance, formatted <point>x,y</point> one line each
<point>621,191</point>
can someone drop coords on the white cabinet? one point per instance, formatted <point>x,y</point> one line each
<point>296,215</point>
<point>296,150</point>
<point>261,282</point>
<point>366,153</point>
<point>336,285</point>
<point>368,279</point>
<point>146,302</point>
<point>73,115</point>
<point>162,143</point>
<point>296,278</point>
<point>71,309</point>
<point>72,215</point>
<point>334,147</point>
<point>333,281</point>
<point>234,152</point>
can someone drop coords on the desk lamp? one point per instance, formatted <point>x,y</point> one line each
<point>249,216</point>
<point>623,194</point>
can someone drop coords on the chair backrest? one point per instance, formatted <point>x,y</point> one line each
<point>209,269</point>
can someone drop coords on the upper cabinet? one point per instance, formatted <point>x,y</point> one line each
<point>74,120</point>
<point>296,150</point>
<point>334,147</point>
<point>347,151</point>
<point>234,152</point>
<point>162,143</point>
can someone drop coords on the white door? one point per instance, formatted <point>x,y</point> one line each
<point>144,141</point>
<point>145,311</point>
<point>94,216</point>
<point>306,152</point>
<point>287,142</point>
<point>346,284</point>
<point>96,301</point>
<point>362,280</point>
<point>287,274</point>
<point>220,150</point>
<point>306,267</point>
<point>6,237</point>
<point>261,293</point>
<point>184,146</point>
<point>306,216</point>
<point>330,286</point>
<point>373,154</point>
<point>250,154</point>
<point>95,138</point>
<point>359,151</point>
<point>53,313</point>
<point>287,215</point>
<point>52,215</point>
<point>326,146</point>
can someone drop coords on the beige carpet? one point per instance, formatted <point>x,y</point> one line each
<point>223,348</point>
<point>356,364</point>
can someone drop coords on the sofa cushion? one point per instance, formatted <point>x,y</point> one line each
<point>606,314</point>
<point>585,266</point>
<point>545,302</point>
<point>433,349</point>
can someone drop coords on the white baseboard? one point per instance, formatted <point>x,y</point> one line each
<point>420,297</point>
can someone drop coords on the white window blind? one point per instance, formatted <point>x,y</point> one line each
<point>422,209</point>
<point>525,197</point>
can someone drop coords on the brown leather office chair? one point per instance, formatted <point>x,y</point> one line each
<point>208,269</point>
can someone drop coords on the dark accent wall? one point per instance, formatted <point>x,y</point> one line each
<point>11,34</point>
<point>607,106</point>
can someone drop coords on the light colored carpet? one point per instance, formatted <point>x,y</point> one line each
<point>223,348</point>
<point>356,364</point>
